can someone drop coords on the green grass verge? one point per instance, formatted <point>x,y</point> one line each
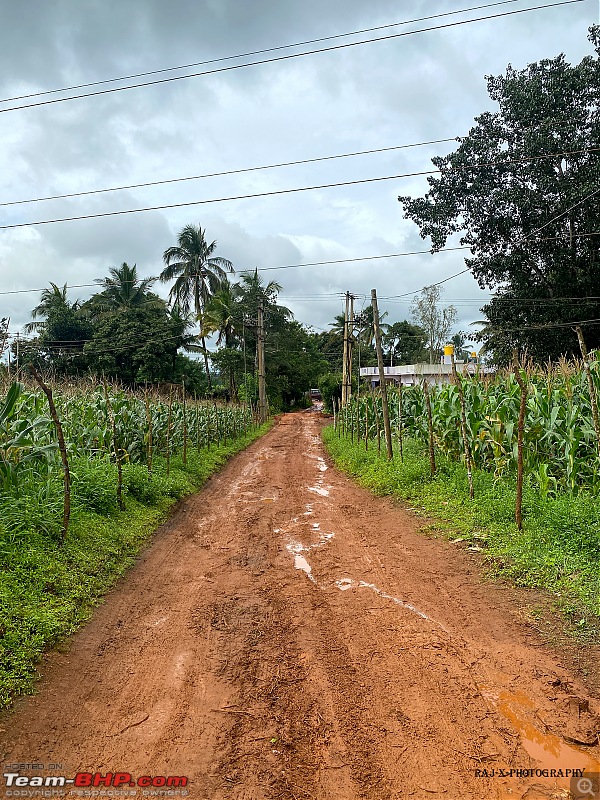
<point>558,549</point>
<point>48,589</point>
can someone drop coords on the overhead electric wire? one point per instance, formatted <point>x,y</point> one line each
<point>30,344</point>
<point>321,264</point>
<point>287,57</point>
<point>298,189</point>
<point>252,52</point>
<point>226,172</point>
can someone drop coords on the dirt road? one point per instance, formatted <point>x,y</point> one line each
<point>288,636</point>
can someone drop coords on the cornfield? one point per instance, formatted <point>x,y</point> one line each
<point>146,425</point>
<point>560,447</point>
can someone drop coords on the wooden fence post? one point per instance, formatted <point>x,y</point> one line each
<point>429,428</point>
<point>116,448</point>
<point>463,427</point>
<point>520,430</point>
<point>63,450</point>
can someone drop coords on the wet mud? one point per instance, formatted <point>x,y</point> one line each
<point>286,635</point>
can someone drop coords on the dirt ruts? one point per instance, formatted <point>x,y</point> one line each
<point>286,635</point>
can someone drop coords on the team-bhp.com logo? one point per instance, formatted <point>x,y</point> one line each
<point>88,780</point>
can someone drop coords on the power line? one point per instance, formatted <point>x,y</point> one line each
<point>227,172</point>
<point>298,189</point>
<point>327,263</point>
<point>287,57</point>
<point>251,53</point>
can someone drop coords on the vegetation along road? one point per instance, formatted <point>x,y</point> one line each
<point>287,635</point>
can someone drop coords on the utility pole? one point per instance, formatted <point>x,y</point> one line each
<point>349,350</point>
<point>347,357</point>
<point>260,350</point>
<point>384,400</point>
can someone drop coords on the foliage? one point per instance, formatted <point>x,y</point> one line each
<point>435,321</point>
<point>330,386</point>
<point>521,190</point>
<point>47,589</point>
<point>197,273</point>
<point>137,346</point>
<point>403,343</point>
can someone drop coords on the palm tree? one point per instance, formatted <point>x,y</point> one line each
<point>252,288</point>
<point>123,289</point>
<point>197,273</point>
<point>220,315</point>
<point>52,299</point>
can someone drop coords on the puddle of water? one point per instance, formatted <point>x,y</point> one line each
<point>301,563</point>
<point>546,748</point>
<point>319,490</point>
<point>348,583</point>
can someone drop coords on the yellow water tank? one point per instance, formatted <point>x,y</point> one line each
<point>448,349</point>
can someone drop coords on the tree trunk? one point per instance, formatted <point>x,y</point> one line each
<point>206,362</point>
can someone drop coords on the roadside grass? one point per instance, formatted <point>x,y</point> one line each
<point>47,589</point>
<point>558,549</point>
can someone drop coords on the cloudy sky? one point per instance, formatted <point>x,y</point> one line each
<point>409,89</point>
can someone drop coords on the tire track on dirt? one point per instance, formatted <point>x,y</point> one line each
<point>286,635</point>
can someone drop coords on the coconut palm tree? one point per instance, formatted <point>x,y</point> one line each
<point>53,298</point>
<point>123,289</point>
<point>197,273</point>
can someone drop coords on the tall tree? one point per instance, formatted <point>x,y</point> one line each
<point>522,191</point>
<point>404,343</point>
<point>63,331</point>
<point>197,273</point>
<point>54,298</point>
<point>436,321</point>
<point>123,289</point>
<point>222,316</point>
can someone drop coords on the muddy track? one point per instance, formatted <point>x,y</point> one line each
<point>288,636</point>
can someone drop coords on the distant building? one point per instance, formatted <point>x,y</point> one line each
<point>411,374</point>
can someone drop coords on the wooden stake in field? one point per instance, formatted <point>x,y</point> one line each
<point>520,430</point>
<point>217,430</point>
<point>432,467</point>
<point>400,422</point>
<point>591,385</point>
<point>62,448</point>
<point>377,423</point>
<point>463,427</point>
<point>382,385</point>
<point>149,439</point>
<point>185,429</point>
<point>169,418</point>
<point>116,448</point>
<point>197,422</point>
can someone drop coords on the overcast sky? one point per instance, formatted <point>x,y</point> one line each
<point>405,90</point>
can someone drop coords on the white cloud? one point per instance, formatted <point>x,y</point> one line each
<point>426,86</point>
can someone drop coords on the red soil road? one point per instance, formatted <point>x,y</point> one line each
<point>287,635</point>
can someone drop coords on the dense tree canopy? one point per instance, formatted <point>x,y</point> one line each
<point>522,191</point>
